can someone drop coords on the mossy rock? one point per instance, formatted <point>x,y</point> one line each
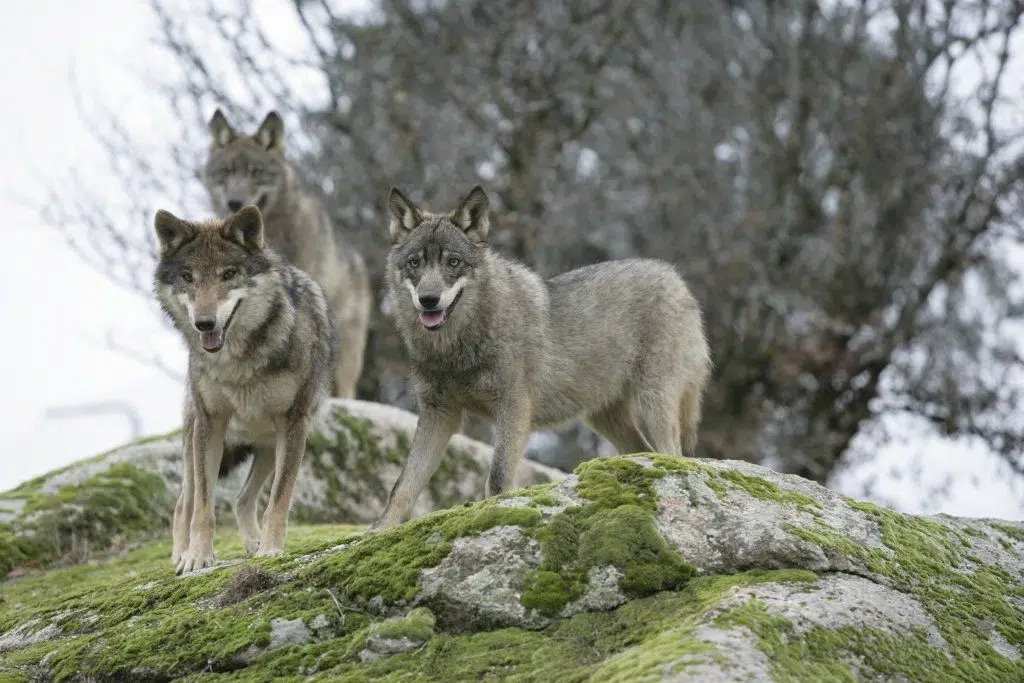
<point>355,452</point>
<point>634,568</point>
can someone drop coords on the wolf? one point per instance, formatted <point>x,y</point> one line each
<point>252,169</point>
<point>610,342</point>
<point>262,346</point>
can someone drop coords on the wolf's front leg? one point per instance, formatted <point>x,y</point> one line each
<point>512,429</point>
<point>209,449</point>
<point>291,445</point>
<point>183,509</point>
<point>436,426</point>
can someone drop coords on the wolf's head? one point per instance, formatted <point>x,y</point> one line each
<point>245,169</point>
<point>206,270</point>
<point>435,256</point>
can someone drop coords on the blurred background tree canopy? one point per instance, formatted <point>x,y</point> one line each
<point>846,212</point>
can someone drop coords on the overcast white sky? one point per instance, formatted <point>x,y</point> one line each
<point>57,310</point>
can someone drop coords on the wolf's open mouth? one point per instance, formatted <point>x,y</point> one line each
<point>433,320</point>
<point>214,341</point>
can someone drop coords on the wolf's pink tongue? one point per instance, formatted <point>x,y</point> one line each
<point>431,318</point>
<point>212,340</point>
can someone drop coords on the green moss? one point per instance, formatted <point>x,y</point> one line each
<point>389,564</point>
<point>17,550</point>
<point>80,520</point>
<point>673,638</point>
<point>832,542</point>
<point>631,643</point>
<point>830,654</point>
<point>766,490</point>
<point>417,626</point>
<point>963,597</point>
<point>1014,532</point>
<point>613,482</point>
<point>615,529</point>
<point>672,463</point>
<point>152,625</point>
<point>135,612</point>
<point>718,480</point>
<point>538,495</point>
<point>548,591</point>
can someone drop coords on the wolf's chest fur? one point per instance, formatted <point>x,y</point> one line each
<point>254,400</point>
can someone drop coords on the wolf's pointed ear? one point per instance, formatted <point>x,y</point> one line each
<point>221,130</point>
<point>271,132</point>
<point>171,231</point>
<point>473,214</point>
<point>245,227</point>
<point>404,216</point>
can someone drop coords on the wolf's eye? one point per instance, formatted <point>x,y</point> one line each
<point>187,277</point>
<point>414,262</point>
<point>454,261</point>
<point>229,274</point>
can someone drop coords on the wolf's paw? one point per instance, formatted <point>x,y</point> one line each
<point>176,557</point>
<point>252,545</point>
<point>269,551</point>
<point>377,527</point>
<point>191,562</point>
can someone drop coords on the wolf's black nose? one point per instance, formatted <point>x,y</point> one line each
<point>205,325</point>
<point>235,205</point>
<point>429,300</point>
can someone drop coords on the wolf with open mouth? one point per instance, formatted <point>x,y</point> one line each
<point>263,345</point>
<point>620,344</point>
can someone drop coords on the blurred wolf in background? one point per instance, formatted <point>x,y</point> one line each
<point>611,342</point>
<point>252,169</point>
<point>263,344</point>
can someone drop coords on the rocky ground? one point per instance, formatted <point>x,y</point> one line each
<point>635,568</point>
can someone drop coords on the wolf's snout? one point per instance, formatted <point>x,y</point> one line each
<point>429,301</point>
<point>205,325</point>
<point>234,204</point>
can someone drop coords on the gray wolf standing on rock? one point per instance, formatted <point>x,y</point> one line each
<point>252,169</point>
<point>262,346</point>
<point>610,342</point>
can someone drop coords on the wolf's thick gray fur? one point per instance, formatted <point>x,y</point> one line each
<point>253,169</point>
<point>262,345</point>
<point>609,342</point>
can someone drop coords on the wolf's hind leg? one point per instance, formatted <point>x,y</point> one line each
<point>291,446</point>
<point>660,414</point>
<point>689,420</point>
<point>617,424</point>
<point>260,469</point>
